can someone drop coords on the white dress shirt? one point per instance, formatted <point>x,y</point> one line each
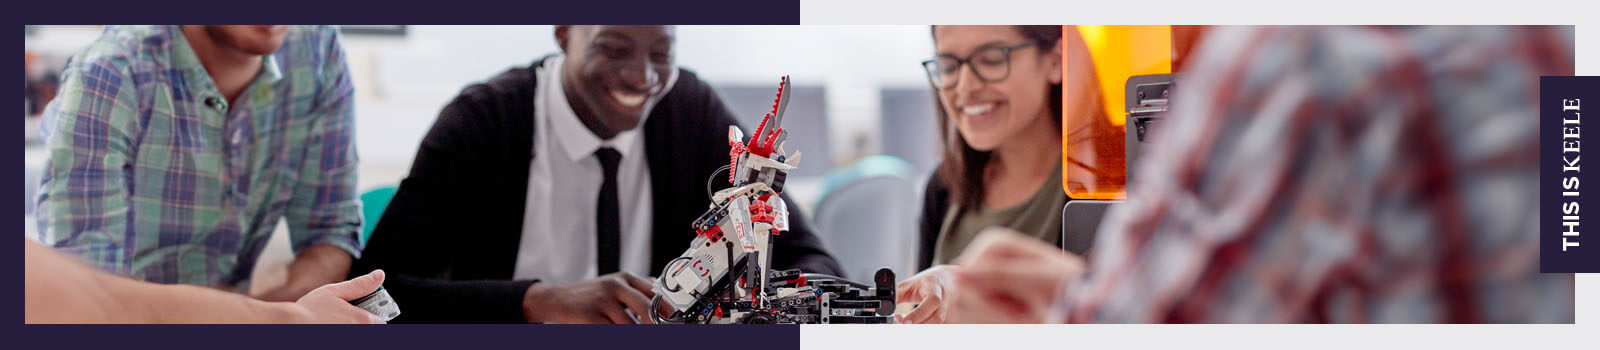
<point>558,226</point>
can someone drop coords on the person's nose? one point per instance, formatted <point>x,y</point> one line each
<point>641,76</point>
<point>967,82</point>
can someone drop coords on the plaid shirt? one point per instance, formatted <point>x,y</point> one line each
<point>154,174</point>
<point>1340,174</point>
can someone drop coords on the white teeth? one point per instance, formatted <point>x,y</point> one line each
<point>978,109</point>
<point>627,99</point>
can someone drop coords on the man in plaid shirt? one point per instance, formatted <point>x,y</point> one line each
<point>1316,174</point>
<point>176,150</point>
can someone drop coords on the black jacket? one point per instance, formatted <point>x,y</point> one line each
<point>449,239</point>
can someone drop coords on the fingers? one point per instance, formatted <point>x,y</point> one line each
<point>918,285</point>
<point>664,309</point>
<point>932,296</point>
<point>322,306</point>
<point>629,292</point>
<point>988,303</point>
<point>1021,293</point>
<point>637,302</point>
<point>1010,270</point>
<point>356,287</point>
<point>1010,278</point>
<point>926,312</point>
<point>614,315</point>
<point>908,290</point>
<point>640,284</point>
<point>1034,287</point>
<point>980,307</point>
<point>1038,272</point>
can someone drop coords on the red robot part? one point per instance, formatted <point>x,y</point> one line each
<point>714,234</point>
<point>735,149</point>
<point>760,211</point>
<point>762,142</point>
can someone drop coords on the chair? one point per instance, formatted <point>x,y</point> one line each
<point>870,222</point>
<point>372,204</point>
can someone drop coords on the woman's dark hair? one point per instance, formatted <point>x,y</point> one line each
<point>962,167</point>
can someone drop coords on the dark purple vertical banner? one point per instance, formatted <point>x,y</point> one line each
<point>1563,245</point>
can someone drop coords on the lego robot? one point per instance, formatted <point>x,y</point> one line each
<point>724,276</point>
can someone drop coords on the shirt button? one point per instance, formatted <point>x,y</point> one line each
<point>216,103</point>
<point>238,136</point>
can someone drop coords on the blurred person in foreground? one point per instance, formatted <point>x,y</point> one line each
<point>1316,174</point>
<point>59,289</point>
<point>176,150</point>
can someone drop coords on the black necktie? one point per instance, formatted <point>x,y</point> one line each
<point>608,221</point>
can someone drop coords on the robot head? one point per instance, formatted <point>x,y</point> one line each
<point>763,158</point>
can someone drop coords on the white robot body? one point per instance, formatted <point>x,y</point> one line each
<point>725,276</point>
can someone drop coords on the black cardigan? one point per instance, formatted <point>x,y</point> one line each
<point>935,202</point>
<point>449,239</point>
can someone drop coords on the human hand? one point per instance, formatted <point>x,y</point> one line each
<point>606,299</point>
<point>1007,277</point>
<point>331,303</point>
<point>314,267</point>
<point>931,290</point>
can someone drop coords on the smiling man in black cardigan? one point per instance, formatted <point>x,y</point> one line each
<point>541,196</point>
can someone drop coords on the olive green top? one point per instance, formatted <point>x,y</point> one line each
<point>1039,217</point>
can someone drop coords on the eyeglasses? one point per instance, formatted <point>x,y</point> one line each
<point>988,65</point>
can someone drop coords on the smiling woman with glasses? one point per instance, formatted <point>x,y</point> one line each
<point>999,108</point>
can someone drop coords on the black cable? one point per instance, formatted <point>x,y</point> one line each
<point>664,274</point>
<point>655,315</point>
<point>713,178</point>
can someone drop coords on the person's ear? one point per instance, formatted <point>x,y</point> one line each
<point>561,37</point>
<point>1055,62</point>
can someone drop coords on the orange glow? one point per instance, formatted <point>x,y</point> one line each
<point>1092,135</point>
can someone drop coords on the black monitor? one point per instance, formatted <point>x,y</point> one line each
<point>1080,219</point>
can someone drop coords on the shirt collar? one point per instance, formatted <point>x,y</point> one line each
<point>199,80</point>
<point>575,138</point>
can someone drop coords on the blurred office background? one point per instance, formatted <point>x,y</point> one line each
<point>862,112</point>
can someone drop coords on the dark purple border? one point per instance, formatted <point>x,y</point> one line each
<point>383,337</point>
<point>433,337</point>
<point>1584,258</point>
<point>409,12</point>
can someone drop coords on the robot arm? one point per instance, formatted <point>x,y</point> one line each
<point>724,276</point>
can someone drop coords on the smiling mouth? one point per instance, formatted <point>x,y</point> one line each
<point>628,99</point>
<point>977,110</point>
